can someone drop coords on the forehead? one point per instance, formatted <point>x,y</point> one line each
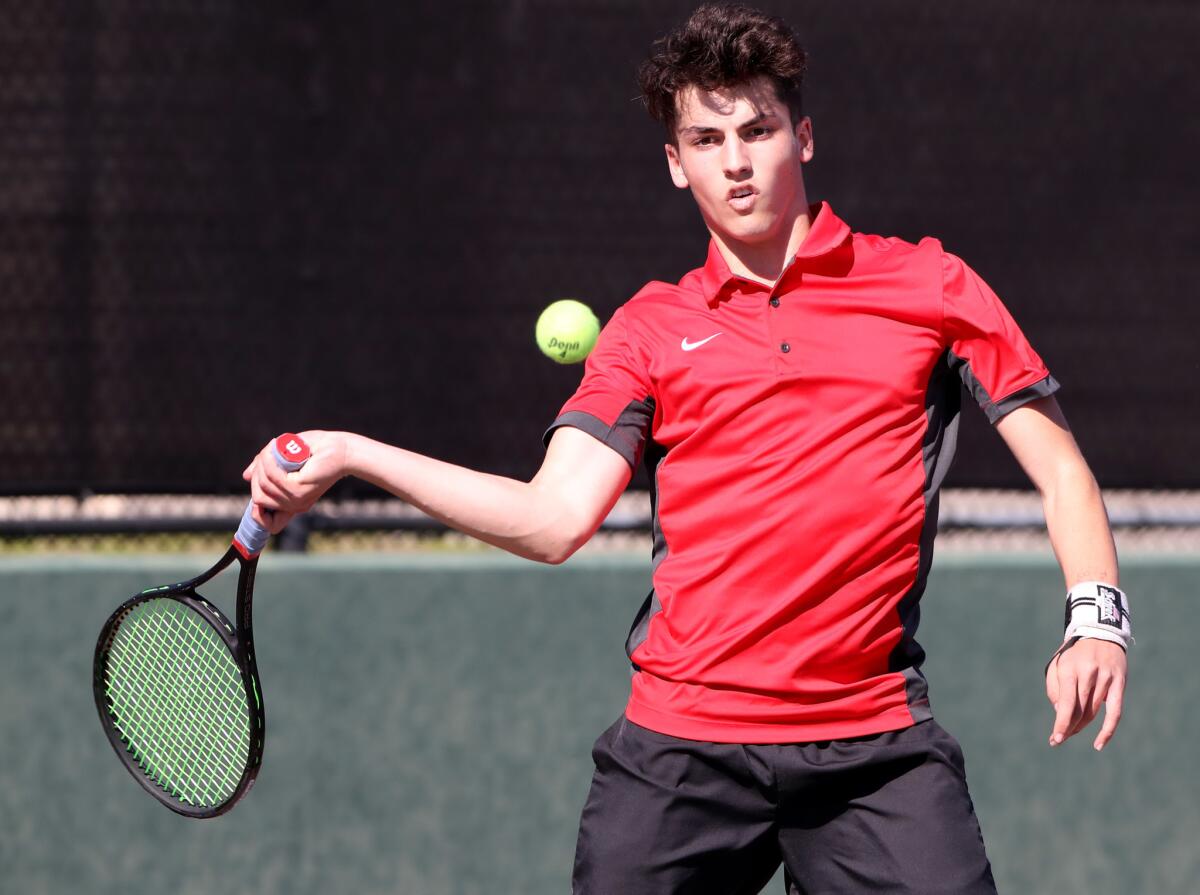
<point>725,106</point>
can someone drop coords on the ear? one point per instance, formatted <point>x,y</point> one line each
<point>804,136</point>
<point>677,176</point>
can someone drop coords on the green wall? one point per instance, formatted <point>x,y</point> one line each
<point>429,724</point>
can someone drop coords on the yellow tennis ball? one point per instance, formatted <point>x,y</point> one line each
<point>567,330</point>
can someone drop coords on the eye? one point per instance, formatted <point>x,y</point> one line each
<point>758,132</point>
<point>705,141</point>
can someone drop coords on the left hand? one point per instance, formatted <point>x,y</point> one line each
<point>1079,681</point>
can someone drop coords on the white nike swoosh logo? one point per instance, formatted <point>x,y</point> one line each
<point>692,346</point>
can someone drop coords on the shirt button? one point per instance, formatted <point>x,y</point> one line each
<point>774,301</point>
<point>785,347</point>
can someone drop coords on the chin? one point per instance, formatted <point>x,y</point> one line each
<point>752,229</point>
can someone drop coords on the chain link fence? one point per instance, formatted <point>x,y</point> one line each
<point>971,520</point>
<point>219,221</point>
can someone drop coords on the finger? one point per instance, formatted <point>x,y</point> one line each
<point>270,487</point>
<point>270,468</point>
<point>1084,717</point>
<point>1113,705</point>
<point>1090,704</point>
<point>260,496</point>
<point>1065,706</point>
<point>279,521</point>
<point>261,515</point>
<point>273,521</point>
<point>248,472</point>
<point>1084,698</point>
<point>303,479</point>
<point>1079,718</point>
<point>285,487</point>
<point>1100,694</point>
<point>298,487</point>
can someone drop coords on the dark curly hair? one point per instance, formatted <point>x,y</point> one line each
<point>722,45</point>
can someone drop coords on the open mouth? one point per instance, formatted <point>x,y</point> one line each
<point>742,199</point>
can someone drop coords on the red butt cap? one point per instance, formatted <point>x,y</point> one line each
<point>292,448</point>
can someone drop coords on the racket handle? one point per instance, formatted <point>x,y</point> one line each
<point>291,453</point>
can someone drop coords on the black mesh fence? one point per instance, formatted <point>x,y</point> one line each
<point>221,220</point>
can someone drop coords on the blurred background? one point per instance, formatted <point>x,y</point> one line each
<point>220,220</point>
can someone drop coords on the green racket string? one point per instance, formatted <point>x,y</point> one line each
<point>178,703</point>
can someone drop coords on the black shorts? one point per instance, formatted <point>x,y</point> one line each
<point>883,813</point>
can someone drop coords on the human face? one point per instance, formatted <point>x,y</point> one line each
<point>740,155</point>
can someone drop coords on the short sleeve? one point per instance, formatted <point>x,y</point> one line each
<point>613,402</point>
<point>986,347</point>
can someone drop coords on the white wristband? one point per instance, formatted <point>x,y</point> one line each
<point>1098,610</point>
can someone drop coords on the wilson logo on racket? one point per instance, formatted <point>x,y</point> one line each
<point>291,449</point>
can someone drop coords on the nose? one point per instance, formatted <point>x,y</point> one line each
<point>735,160</point>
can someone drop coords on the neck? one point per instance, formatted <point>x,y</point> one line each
<point>764,261</point>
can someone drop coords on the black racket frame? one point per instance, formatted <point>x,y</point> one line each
<point>239,640</point>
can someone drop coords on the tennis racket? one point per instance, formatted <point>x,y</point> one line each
<point>176,683</point>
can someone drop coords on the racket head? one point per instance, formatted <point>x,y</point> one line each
<point>179,700</point>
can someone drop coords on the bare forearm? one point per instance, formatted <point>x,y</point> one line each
<point>1092,672</point>
<point>516,516</point>
<point>1078,526</point>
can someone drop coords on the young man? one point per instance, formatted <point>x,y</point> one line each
<point>795,400</point>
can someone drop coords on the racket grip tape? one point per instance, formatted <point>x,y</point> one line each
<point>291,453</point>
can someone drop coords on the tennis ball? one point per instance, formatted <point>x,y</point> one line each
<point>566,331</point>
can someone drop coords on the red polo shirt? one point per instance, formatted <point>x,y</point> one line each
<point>796,437</point>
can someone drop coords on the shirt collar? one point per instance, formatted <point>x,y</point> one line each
<point>827,234</point>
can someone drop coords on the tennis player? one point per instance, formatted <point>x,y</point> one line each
<point>795,400</point>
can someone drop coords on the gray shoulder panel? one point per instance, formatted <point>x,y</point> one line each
<point>1041,389</point>
<point>626,436</point>
<point>592,425</point>
<point>996,410</point>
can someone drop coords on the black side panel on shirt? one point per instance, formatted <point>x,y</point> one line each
<point>655,455</point>
<point>627,435</point>
<point>639,630</point>
<point>943,401</point>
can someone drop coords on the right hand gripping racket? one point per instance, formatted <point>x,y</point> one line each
<point>176,684</point>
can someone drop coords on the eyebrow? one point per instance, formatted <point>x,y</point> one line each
<point>696,129</point>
